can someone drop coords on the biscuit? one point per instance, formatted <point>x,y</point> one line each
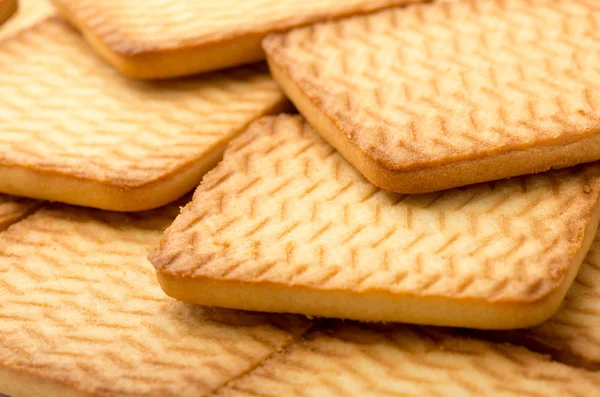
<point>573,333</point>
<point>81,314</point>
<point>7,9</point>
<point>30,12</point>
<point>12,209</point>
<point>346,360</point>
<point>159,39</point>
<point>450,93</point>
<point>75,131</point>
<point>285,224</point>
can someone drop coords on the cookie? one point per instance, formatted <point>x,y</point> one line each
<point>450,93</point>
<point>81,314</point>
<point>77,132</point>
<point>397,360</point>
<point>159,39</point>
<point>572,335</point>
<point>285,224</point>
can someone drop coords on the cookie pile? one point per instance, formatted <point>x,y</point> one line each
<point>402,201</point>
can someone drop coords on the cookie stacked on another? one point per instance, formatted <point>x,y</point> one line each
<point>386,201</point>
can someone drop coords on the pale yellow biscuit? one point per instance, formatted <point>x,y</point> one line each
<point>450,93</point>
<point>73,130</point>
<point>573,333</point>
<point>29,12</point>
<point>163,38</point>
<point>13,209</point>
<point>384,361</point>
<point>7,9</point>
<point>81,314</point>
<point>285,224</point>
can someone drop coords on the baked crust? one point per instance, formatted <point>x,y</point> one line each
<point>285,224</point>
<point>434,96</point>
<point>114,144</point>
<point>195,36</point>
<point>573,333</point>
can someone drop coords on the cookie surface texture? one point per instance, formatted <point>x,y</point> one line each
<point>161,38</point>
<point>450,93</point>
<point>286,224</point>
<point>573,333</point>
<point>81,314</point>
<point>75,131</point>
<point>384,361</point>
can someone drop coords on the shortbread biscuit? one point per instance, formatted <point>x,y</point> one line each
<point>73,130</point>
<point>450,93</point>
<point>285,224</point>
<point>7,9</point>
<point>12,209</point>
<point>81,314</point>
<point>29,13</point>
<point>158,38</point>
<point>573,333</point>
<point>396,360</point>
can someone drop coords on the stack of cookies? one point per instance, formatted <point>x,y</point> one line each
<point>402,200</point>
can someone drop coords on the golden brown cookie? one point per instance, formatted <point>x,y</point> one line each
<point>81,314</point>
<point>285,224</point>
<point>73,130</point>
<point>452,92</point>
<point>573,333</point>
<point>162,38</point>
<point>347,360</point>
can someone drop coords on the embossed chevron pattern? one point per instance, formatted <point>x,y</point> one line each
<point>12,209</point>
<point>195,36</point>
<point>573,333</point>
<point>73,130</point>
<point>284,215</point>
<point>453,92</point>
<point>30,12</point>
<point>81,314</point>
<point>352,360</point>
<point>7,9</point>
